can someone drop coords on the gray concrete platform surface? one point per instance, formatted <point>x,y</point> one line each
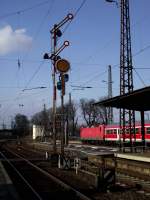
<point>7,190</point>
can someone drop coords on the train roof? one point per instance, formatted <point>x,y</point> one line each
<point>118,126</point>
<point>138,124</point>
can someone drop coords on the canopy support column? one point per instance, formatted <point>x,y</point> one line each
<point>143,129</point>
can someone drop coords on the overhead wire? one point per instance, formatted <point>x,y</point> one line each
<point>20,93</point>
<point>117,65</point>
<point>35,37</point>
<point>77,11</point>
<point>137,53</point>
<point>143,49</point>
<point>16,99</point>
<point>18,13</point>
<point>18,59</point>
<point>34,74</point>
<point>83,2</point>
<point>38,68</point>
<point>134,55</point>
<point>139,77</point>
<point>75,14</point>
<point>40,27</point>
<point>36,34</point>
<point>145,68</point>
<point>23,10</point>
<point>25,96</point>
<point>94,78</point>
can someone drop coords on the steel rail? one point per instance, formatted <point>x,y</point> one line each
<point>22,177</point>
<point>56,180</point>
<point>122,177</point>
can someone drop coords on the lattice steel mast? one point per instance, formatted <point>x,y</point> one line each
<point>127,117</point>
<point>110,109</point>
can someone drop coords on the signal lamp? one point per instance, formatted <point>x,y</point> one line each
<point>66,43</point>
<point>57,57</point>
<point>59,85</point>
<point>66,77</point>
<point>59,33</point>
<point>70,16</point>
<point>46,56</point>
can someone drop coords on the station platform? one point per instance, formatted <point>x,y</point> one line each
<point>7,190</point>
<point>143,157</point>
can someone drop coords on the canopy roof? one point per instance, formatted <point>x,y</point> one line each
<point>138,100</point>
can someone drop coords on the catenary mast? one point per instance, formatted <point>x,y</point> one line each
<point>127,117</point>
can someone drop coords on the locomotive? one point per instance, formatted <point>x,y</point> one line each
<point>112,134</point>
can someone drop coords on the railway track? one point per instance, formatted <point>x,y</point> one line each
<point>33,182</point>
<point>122,177</point>
<point>127,184</point>
<point>131,180</point>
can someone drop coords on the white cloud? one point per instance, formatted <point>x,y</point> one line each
<point>13,41</point>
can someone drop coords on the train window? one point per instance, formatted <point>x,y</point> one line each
<point>148,130</point>
<point>127,130</point>
<point>132,130</point>
<point>136,130</point>
<point>115,131</point>
<point>109,131</point>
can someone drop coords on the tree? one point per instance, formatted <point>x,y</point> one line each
<point>45,119</point>
<point>93,115</point>
<point>71,117</point>
<point>42,118</point>
<point>21,125</point>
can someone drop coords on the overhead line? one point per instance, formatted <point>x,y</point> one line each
<point>142,50</point>
<point>34,74</point>
<point>137,53</point>
<point>93,78</point>
<point>75,14</point>
<point>40,27</point>
<point>141,68</point>
<point>75,63</point>
<point>139,77</point>
<point>117,65</point>
<point>42,62</point>
<point>23,10</point>
<point>35,37</point>
<point>17,98</point>
<point>81,5</point>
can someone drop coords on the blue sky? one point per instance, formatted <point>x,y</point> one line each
<point>94,36</point>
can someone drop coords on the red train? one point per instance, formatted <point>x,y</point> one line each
<point>111,134</point>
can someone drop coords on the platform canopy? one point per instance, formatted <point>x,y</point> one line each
<point>138,100</point>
